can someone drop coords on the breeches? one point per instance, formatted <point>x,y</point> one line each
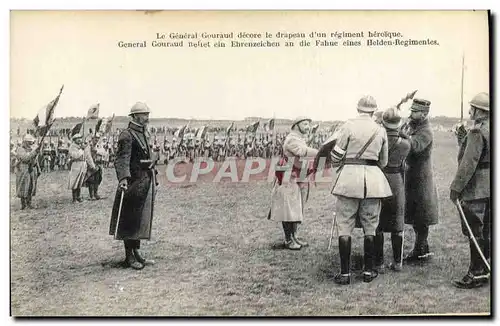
<point>477,213</point>
<point>349,209</point>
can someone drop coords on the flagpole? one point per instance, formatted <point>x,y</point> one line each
<point>462,91</point>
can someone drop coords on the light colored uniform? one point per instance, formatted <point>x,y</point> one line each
<point>361,183</point>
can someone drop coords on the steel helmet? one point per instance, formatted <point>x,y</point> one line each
<point>300,119</point>
<point>391,118</point>
<point>29,138</point>
<point>139,107</point>
<point>481,101</point>
<point>367,104</point>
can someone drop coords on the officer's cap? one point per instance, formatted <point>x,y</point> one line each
<point>420,105</point>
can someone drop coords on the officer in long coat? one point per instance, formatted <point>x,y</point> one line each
<point>421,209</point>
<point>393,208</point>
<point>289,196</point>
<point>27,170</point>
<point>471,186</point>
<point>78,170</point>
<point>93,176</point>
<point>360,153</point>
<point>137,181</point>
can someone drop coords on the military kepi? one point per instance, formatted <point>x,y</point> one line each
<point>420,105</point>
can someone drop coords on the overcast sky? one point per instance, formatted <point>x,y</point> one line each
<point>79,49</point>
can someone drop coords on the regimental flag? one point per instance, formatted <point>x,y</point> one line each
<point>314,128</point>
<point>45,117</point>
<point>270,124</point>
<point>253,127</point>
<point>77,129</point>
<point>231,127</point>
<point>180,134</point>
<point>109,125</point>
<point>93,112</point>
<point>98,125</point>
<point>201,133</point>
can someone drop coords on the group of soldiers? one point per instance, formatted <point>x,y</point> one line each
<point>383,179</point>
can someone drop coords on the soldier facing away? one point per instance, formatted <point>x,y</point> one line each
<point>136,175</point>
<point>359,153</point>
<point>93,176</point>
<point>421,209</point>
<point>471,186</point>
<point>78,169</point>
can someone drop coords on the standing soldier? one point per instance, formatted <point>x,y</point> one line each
<point>471,186</point>
<point>393,208</point>
<point>93,176</point>
<point>421,209</point>
<point>27,170</point>
<point>289,197</point>
<point>78,167</point>
<point>137,184</point>
<point>361,151</point>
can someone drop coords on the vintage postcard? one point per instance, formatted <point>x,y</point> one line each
<point>250,163</point>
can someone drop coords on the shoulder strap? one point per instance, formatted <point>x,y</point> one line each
<point>397,142</point>
<point>367,143</point>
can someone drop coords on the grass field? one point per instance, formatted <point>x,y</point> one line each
<point>218,255</point>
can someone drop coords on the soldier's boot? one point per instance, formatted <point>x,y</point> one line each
<point>426,253</point>
<point>91,192</point>
<point>73,194</point>
<point>28,202</point>
<point>139,257</point>
<point>379,252</point>
<point>397,251</point>
<point>130,259</point>
<point>476,275</point>
<point>289,241</point>
<point>23,203</point>
<point>344,277</point>
<point>369,273</point>
<point>96,196</point>
<point>79,195</point>
<point>301,243</point>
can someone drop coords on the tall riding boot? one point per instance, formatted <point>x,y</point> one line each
<point>369,273</point>
<point>138,256</point>
<point>96,196</point>
<point>301,243</point>
<point>397,251</point>
<point>91,191</point>
<point>344,277</point>
<point>424,234</point>
<point>418,249</point>
<point>130,259</point>
<point>289,241</point>
<point>23,203</point>
<point>78,194</point>
<point>379,250</point>
<point>28,202</point>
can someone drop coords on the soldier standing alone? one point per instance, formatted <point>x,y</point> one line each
<point>421,209</point>
<point>27,170</point>
<point>471,186</point>
<point>137,180</point>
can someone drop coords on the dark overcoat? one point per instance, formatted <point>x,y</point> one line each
<point>393,208</point>
<point>27,172</point>
<point>421,193</point>
<point>136,216</point>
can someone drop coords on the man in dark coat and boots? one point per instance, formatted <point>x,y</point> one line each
<point>137,181</point>
<point>94,171</point>
<point>393,208</point>
<point>471,186</point>
<point>421,209</point>
<point>27,170</point>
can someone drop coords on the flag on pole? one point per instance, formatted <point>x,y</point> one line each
<point>314,128</point>
<point>228,130</point>
<point>270,124</point>
<point>93,112</point>
<point>109,124</point>
<point>253,127</point>
<point>201,132</point>
<point>98,125</point>
<point>45,117</point>
<point>77,129</point>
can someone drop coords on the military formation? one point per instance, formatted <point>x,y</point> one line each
<point>382,179</point>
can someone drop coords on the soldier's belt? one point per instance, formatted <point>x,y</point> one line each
<point>393,169</point>
<point>356,161</point>
<point>483,165</point>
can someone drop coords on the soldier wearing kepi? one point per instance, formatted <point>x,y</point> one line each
<point>136,174</point>
<point>393,208</point>
<point>27,170</point>
<point>421,209</point>
<point>472,186</point>
<point>289,196</point>
<point>360,153</point>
